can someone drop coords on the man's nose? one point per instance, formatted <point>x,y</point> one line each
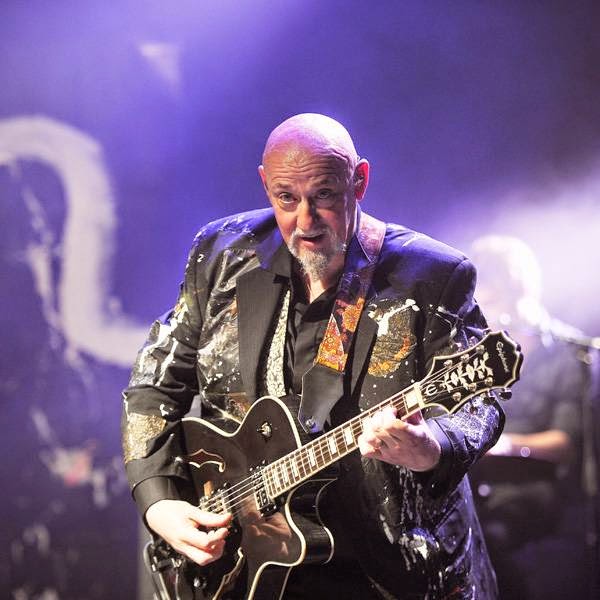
<point>306,215</point>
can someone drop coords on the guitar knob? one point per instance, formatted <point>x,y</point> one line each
<point>505,394</point>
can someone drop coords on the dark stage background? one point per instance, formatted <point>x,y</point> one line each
<point>124,126</point>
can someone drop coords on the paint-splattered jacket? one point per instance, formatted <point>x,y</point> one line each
<point>417,535</point>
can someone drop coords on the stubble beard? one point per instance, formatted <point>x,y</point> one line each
<point>315,263</point>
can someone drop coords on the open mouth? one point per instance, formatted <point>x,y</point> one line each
<point>312,237</point>
<point>312,240</point>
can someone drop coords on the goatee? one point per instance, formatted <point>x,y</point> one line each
<point>315,263</point>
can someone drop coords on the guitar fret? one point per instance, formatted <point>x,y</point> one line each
<point>333,445</point>
<point>268,479</point>
<point>341,441</point>
<point>276,478</point>
<point>309,458</point>
<point>324,452</point>
<point>312,459</point>
<point>319,452</point>
<point>301,463</point>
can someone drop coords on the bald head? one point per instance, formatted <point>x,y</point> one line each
<point>311,132</point>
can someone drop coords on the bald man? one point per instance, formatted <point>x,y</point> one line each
<point>313,301</point>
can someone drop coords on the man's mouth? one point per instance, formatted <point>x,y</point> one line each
<point>312,240</point>
<point>309,238</point>
<point>313,237</point>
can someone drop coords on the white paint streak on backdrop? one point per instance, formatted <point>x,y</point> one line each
<point>88,319</point>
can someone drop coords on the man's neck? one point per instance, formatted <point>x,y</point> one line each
<point>315,287</point>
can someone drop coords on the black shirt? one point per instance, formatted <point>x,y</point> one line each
<point>306,322</point>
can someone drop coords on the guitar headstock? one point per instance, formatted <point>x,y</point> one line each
<point>493,363</point>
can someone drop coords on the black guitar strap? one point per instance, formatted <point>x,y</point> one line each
<point>323,383</point>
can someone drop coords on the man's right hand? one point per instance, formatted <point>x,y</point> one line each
<point>177,523</point>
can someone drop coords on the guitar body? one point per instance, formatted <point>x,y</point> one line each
<point>267,539</point>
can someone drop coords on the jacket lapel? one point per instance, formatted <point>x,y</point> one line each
<point>258,293</point>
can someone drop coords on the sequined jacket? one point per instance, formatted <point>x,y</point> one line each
<point>416,534</point>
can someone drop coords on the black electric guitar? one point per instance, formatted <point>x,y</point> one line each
<point>267,479</point>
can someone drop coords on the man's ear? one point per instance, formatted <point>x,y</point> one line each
<point>263,177</point>
<point>361,178</point>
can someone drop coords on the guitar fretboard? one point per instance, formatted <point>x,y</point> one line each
<point>292,469</point>
<point>452,380</point>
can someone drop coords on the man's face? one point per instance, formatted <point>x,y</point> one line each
<point>314,196</point>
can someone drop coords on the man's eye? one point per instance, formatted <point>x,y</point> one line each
<point>324,194</point>
<point>286,198</point>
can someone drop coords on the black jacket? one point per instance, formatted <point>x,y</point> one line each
<point>416,534</point>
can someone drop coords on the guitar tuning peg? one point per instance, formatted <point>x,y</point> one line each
<point>505,394</point>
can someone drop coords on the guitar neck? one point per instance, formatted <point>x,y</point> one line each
<point>493,363</point>
<point>296,467</point>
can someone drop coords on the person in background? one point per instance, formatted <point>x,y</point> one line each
<point>527,487</point>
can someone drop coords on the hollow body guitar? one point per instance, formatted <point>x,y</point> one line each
<point>270,481</point>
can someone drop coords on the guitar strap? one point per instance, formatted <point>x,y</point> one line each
<point>323,383</point>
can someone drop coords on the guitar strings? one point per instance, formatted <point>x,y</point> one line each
<point>230,499</point>
<point>245,487</point>
<point>233,502</point>
<point>321,443</point>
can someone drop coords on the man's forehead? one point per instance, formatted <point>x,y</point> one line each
<point>283,180</point>
<point>297,160</point>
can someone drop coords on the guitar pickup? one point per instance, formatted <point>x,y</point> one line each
<point>265,505</point>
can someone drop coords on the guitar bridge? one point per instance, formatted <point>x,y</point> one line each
<point>216,502</point>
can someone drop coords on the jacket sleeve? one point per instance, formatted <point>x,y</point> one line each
<point>161,388</point>
<point>455,324</point>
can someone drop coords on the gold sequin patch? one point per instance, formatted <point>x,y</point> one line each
<point>138,431</point>
<point>394,342</point>
<point>351,315</point>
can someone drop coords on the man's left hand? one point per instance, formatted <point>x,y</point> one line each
<point>409,443</point>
